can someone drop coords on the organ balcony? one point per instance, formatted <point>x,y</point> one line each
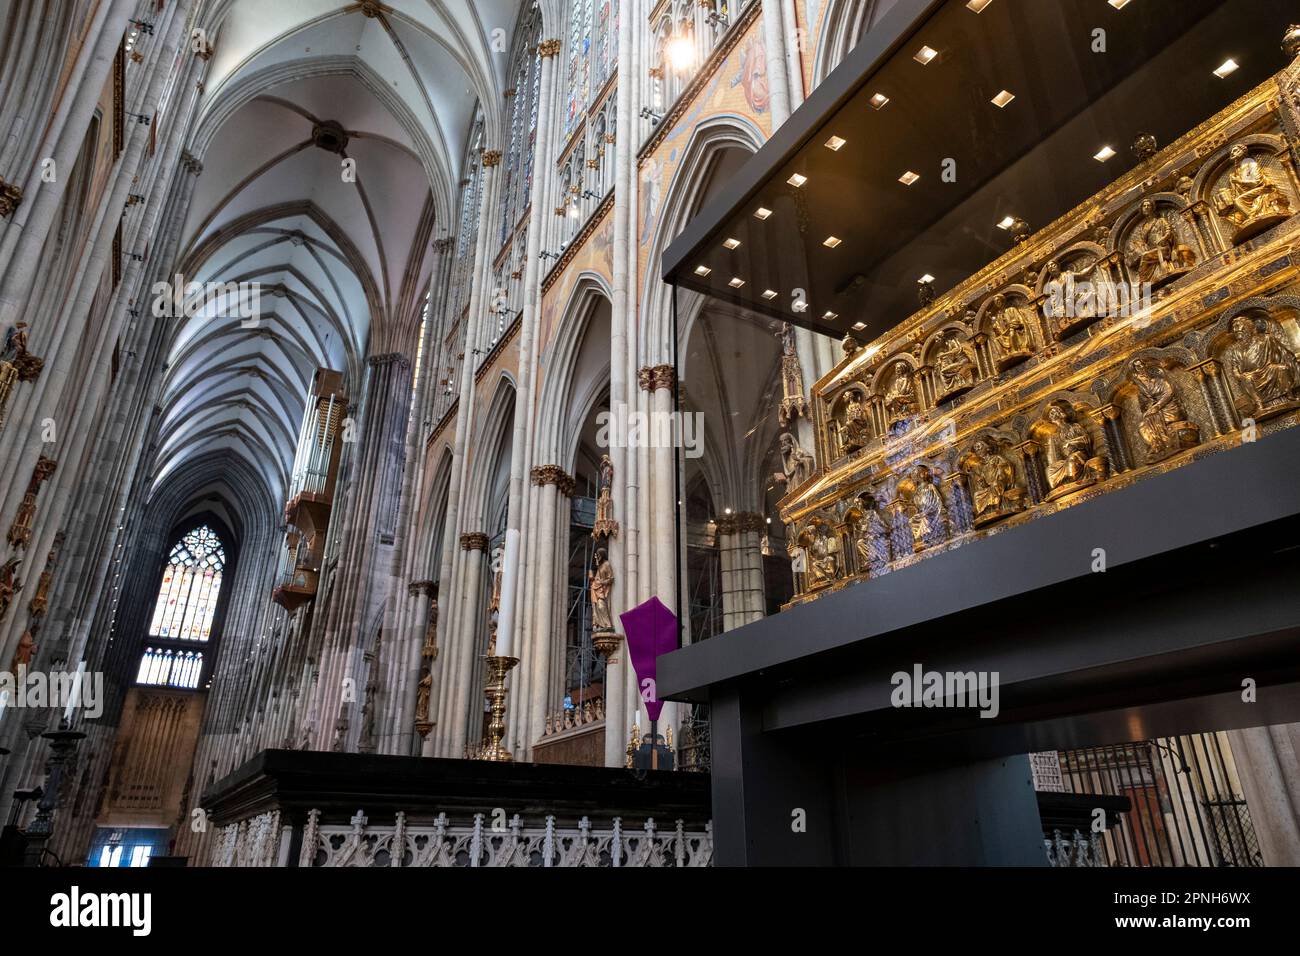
<point>311,491</point>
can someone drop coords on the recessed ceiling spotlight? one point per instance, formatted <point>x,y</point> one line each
<point>1006,221</point>
<point>796,180</point>
<point>762,212</point>
<point>925,55</point>
<point>1228,67</point>
<point>909,177</point>
<point>702,270</point>
<point>925,278</point>
<point>878,101</point>
<point>769,295</point>
<point>1118,4</point>
<point>834,143</point>
<point>830,242</point>
<point>1003,98</point>
<point>731,243</point>
<point>736,282</point>
<point>978,5</point>
<point>831,316</point>
<point>1103,154</point>
<point>859,326</point>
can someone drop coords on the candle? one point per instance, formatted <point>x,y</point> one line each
<point>506,616</point>
<point>74,698</point>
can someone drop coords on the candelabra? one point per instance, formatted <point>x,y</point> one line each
<point>494,689</point>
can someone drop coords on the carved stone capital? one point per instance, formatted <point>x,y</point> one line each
<point>491,157</point>
<point>474,541</point>
<point>548,48</point>
<point>427,588</point>
<point>10,198</point>
<point>553,475</point>
<point>652,377</point>
<point>190,163</point>
<point>389,358</point>
<point>443,246</point>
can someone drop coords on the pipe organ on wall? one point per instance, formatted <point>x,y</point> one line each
<point>1156,323</point>
<point>311,494</point>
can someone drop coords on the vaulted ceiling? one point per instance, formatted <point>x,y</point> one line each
<point>332,137</point>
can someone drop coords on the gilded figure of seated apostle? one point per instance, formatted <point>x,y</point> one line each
<point>822,558</point>
<point>1010,328</point>
<point>855,428</point>
<point>1156,250</point>
<point>871,538</point>
<point>925,510</point>
<point>1071,460</point>
<point>1163,425</point>
<point>1263,370</point>
<point>900,396</point>
<point>1251,201</point>
<point>995,492</point>
<point>957,371</point>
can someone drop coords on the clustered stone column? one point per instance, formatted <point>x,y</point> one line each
<point>741,556</point>
<point>538,677</point>
<point>466,676</point>
<point>663,519</point>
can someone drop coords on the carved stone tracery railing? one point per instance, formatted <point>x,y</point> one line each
<point>256,842</point>
<point>1015,394</point>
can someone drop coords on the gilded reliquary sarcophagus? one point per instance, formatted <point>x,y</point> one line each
<point>1157,322</point>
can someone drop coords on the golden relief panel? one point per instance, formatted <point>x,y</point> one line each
<point>1156,323</point>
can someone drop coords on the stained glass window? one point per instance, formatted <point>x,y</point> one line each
<point>170,667</point>
<point>525,72</point>
<point>579,71</point>
<point>191,584</point>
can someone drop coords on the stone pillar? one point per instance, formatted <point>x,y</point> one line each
<point>520,444</point>
<point>665,519</point>
<point>554,486</point>
<point>739,537</point>
<point>624,551</point>
<point>30,224</point>
<point>445,692</point>
<point>467,691</point>
<point>362,574</point>
<point>1268,764</point>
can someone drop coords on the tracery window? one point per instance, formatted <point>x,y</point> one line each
<point>680,39</point>
<point>592,55</point>
<point>170,667</point>
<point>191,584</point>
<point>517,168</point>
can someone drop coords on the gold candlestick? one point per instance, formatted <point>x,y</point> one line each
<point>494,689</point>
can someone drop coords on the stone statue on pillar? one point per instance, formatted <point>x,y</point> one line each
<point>602,587</point>
<point>797,465</point>
<point>10,584</point>
<point>605,526</point>
<point>792,401</point>
<point>16,364</point>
